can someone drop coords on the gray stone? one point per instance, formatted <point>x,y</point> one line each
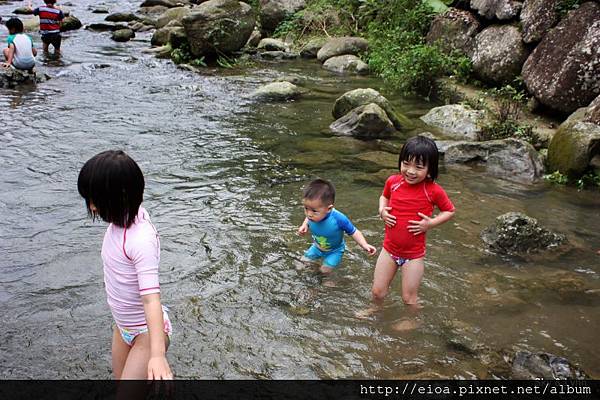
<point>218,26</point>
<point>11,77</point>
<point>501,9</point>
<point>454,30</point>
<point>103,27</point>
<point>563,72</point>
<point>499,54</point>
<point>365,122</point>
<point>172,14</point>
<point>100,10</point>
<point>273,12</point>
<point>270,44</point>
<point>70,23</point>
<point>575,143</point>
<point>153,11</point>
<point>359,97</point>
<point>346,64</point>
<point>164,3</point>
<point>278,91</point>
<point>339,46</point>
<point>516,233</point>
<point>121,17</point>
<point>23,11</point>
<point>161,36</point>
<point>254,39</point>
<point>537,18</point>
<point>123,35</point>
<point>510,159</point>
<point>527,365</point>
<point>310,49</point>
<point>456,121</point>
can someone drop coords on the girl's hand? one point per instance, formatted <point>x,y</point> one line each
<point>158,369</point>
<point>388,218</point>
<point>302,230</point>
<point>371,250</point>
<point>422,226</point>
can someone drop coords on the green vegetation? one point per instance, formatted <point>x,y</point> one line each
<point>183,55</point>
<point>588,180</point>
<point>396,31</point>
<point>564,6</point>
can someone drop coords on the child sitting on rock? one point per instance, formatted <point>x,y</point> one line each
<point>20,52</point>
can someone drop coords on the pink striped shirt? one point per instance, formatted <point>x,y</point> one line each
<point>131,257</point>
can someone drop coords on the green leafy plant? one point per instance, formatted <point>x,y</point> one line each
<point>557,178</point>
<point>590,179</point>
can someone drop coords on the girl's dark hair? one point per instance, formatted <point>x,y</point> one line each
<point>422,150</point>
<point>115,184</point>
<point>320,189</point>
<point>14,25</point>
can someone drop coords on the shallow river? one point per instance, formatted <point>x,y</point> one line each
<point>223,181</point>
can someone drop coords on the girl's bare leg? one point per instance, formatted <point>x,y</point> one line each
<point>385,271</point>
<point>412,274</point>
<point>120,350</point>
<point>136,366</point>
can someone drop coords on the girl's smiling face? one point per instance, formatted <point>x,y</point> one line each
<point>413,171</point>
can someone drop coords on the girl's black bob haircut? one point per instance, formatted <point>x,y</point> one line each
<point>114,183</point>
<point>423,150</point>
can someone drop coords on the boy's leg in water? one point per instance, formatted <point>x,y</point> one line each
<point>385,271</point>
<point>120,350</point>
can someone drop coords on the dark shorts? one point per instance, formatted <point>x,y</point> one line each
<point>53,39</point>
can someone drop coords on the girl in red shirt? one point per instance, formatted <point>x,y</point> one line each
<point>406,207</point>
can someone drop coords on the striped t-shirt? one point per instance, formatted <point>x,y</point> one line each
<point>50,18</point>
<point>130,258</point>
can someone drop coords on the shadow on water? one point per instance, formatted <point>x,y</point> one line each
<point>223,182</point>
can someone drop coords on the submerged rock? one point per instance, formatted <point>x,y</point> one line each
<point>70,23</point>
<point>121,17</point>
<point>11,77</point>
<point>103,27</point>
<point>365,122</point>
<point>123,35</point>
<point>278,91</point>
<point>359,97</point>
<point>528,365</point>
<point>516,233</point>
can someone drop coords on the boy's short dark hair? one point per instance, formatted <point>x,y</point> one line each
<point>115,184</point>
<point>320,189</point>
<point>14,25</point>
<point>50,1</point>
<point>422,150</point>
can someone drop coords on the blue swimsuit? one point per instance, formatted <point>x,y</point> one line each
<point>328,237</point>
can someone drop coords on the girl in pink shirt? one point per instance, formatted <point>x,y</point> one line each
<point>112,185</point>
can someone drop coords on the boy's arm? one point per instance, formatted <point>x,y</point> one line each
<point>362,242</point>
<point>304,227</point>
<point>422,226</point>
<point>384,211</point>
<point>10,55</point>
<point>158,366</point>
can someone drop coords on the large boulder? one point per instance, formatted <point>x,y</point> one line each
<point>563,72</point>
<point>165,3</point>
<point>220,26</point>
<point>592,114</point>
<point>70,23</point>
<point>499,54</point>
<point>537,18</point>
<point>576,142</point>
<point>510,159</point>
<point>501,9</point>
<point>278,91</point>
<point>339,46</point>
<point>270,44</point>
<point>365,122</point>
<point>273,12</point>
<point>516,233</point>
<point>310,49</point>
<point>454,30</point>
<point>11,77</point>
<point>456,121</point>
<point>172,14</point>
<point>359,97</point>
<point>346,64</point>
